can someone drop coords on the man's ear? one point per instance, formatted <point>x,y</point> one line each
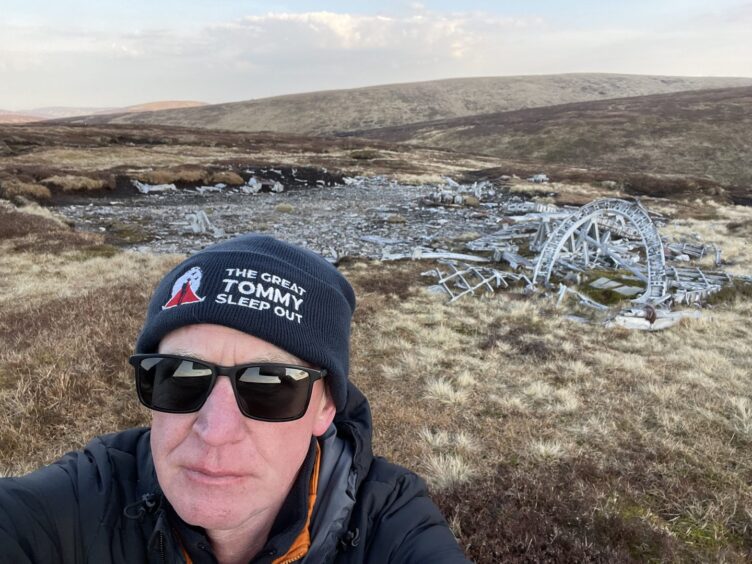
<point>325,411</point>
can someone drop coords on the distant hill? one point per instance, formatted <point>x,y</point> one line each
<point>16,117</point>
<point>158,106</point>
<point>63,112</point>
<point>330,112</point>
<point>703,133</point>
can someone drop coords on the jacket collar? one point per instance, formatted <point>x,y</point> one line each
<point>291,521</point>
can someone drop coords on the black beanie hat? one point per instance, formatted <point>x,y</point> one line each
<point>281,293</point>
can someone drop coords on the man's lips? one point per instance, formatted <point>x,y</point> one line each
<point>207,475</point>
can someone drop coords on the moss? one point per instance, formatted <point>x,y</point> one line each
<point>701,535</point>
<point>602,296</point>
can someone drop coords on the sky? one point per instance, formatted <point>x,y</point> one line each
<point>113,53</point>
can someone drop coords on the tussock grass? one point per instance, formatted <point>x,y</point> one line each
<point>447,470</point>
<point>71,183</point>
<point>13,188</point>
<point>173,176</point>
<point>227,177</point>
<point>741,419</point>
<point>548,450</point>
<point>444,391</point>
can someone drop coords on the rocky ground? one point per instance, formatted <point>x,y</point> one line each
<point>363,217</point>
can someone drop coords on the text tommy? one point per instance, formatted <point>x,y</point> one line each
<point>245,287</point>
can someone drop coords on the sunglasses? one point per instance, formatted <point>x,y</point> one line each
<point>264,391</point>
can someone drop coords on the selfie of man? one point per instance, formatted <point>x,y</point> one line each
<point>259,448</point>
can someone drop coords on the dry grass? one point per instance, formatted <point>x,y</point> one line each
<point>13,188</point>
<point>166,155</point>
<point>173,176</point>
<point>58,386</point>
<point>71,183</point>
<point>726,229</point>
<point>227,177</point>
<point>543,440</point>
<point>446,470</point>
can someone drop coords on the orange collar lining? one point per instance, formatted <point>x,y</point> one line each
<point>302,543</point>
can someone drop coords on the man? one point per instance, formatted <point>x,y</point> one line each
<point>259,449</point>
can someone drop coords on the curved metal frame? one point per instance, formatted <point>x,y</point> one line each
<point>636,224</point>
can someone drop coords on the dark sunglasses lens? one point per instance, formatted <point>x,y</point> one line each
<point>173,384</point>
<point>273,392</point>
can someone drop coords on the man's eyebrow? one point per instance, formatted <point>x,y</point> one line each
<point>264,359</point>
<point>186,352</point>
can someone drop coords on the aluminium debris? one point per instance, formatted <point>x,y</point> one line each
<point>199,223</point>
<point>609,234</point>
<point>462,279</point>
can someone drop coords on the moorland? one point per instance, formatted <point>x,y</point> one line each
<point>541,439</point>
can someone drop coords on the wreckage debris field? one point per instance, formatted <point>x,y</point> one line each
<point>364,218</point>
<point>534,245</point>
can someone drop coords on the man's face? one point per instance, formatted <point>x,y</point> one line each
<point>218,468</point>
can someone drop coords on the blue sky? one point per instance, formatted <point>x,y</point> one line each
<point>107,53</point>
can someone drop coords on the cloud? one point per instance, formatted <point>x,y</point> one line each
<point>284,52</point>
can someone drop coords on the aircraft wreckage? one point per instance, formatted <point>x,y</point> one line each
<point>608,256</point>
<point>544,246</point>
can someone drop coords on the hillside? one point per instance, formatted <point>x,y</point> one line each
<point>329,112</point>
<point>690,133</point>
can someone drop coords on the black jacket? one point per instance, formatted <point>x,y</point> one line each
<point>103,504</point>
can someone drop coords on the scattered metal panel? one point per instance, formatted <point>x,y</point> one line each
<point>423,253</point>
<point>514,260</point>
<point>539,178</point>
<point>145,188</point>
<point>629,291</point>
<point>199,223</point>
<point>641,320</point>
<point>462,279</point>
<point>604,284</point>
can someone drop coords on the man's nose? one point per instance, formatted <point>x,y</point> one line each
<point>219,420</point>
